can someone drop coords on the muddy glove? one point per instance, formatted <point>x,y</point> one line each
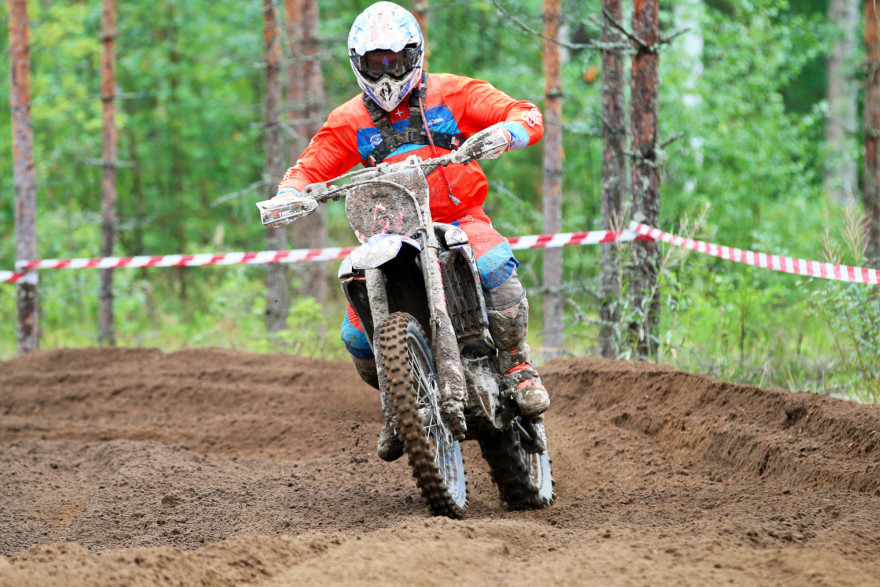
<point>489,143</point>
<point>287,206</point>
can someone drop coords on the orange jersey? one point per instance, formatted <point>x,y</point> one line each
<point>453,105</point>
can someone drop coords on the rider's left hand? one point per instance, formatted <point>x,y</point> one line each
<point>489,143</point>
<point>500,150</point>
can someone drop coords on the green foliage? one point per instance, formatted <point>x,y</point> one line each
<point>852,312</point>
<point>190,120</point>
<point>853,315</point>
<point>743,150</point>
<point>167,308</point>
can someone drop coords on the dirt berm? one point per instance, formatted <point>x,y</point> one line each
<point>216,467</point>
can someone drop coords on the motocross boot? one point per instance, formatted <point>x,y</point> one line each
<point>390,447</point>
<point>366,368</point>
<point>509,326</point>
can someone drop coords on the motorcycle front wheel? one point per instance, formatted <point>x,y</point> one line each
<point>434,455</point>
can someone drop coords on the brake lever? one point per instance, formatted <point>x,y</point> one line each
<point>431,165</point>
<point>278,214</point>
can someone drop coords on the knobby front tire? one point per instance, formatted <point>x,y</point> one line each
<point>434,455</point>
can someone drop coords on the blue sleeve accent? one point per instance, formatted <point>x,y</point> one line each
<point>355,340</point>
<point>519,138</point>
<point>497,265</point>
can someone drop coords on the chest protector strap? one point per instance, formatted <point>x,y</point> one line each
<point>413,134</point>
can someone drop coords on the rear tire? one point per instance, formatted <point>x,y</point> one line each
<point>524,480</point>
<point>434,455</point>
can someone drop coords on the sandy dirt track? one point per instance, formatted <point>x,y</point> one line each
<point>216,467</point>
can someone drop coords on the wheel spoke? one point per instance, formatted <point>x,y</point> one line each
<point>428,395</point>
<point>434,455</point>
<point>435,431</point>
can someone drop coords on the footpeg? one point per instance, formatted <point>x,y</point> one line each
<point>529,438</point>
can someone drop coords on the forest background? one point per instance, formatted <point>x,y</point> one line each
<point>746,83</point>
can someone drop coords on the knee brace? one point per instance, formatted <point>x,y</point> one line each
<point>506,295</point>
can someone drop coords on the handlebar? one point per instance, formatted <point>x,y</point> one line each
<point>488,143</point>
<point>278,214</point>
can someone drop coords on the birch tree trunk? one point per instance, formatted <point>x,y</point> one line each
<point>420,11</point>
<point>613,180</point>
<point>688,56</point>
<point>645,176</point>
<point>106,330</point>
<point>872,130</point>
<point>841,177</point>
<point>26,291</point>
<point>170,37</point>
<point>552,185</point>
<point>277,286</point>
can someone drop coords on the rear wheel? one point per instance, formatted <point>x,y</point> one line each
<point>434,455</point>
<point>523,478</point>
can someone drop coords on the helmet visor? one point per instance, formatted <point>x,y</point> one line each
<point>374,64</point>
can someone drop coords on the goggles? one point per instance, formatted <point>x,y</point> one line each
<point>374,64</point>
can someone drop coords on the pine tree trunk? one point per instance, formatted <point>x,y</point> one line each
<point>277,294</point>
<point>313,230</point>
<point>841,177</point>
<point>552,187</point>
<point>297,106</point>
<point>645,176</point>
<point>106,331</point>
<point>872,130</point>
<point>305,100</point>
<point>613,181</point>
<point>26,290</point>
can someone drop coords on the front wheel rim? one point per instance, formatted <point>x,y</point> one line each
<point>447,451</point>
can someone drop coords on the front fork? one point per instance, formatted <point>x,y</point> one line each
<point>447,359</point>
<point>444,343</point>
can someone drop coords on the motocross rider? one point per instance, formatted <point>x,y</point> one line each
<point>405,111</point>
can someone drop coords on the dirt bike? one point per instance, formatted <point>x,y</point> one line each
<point>415,287</point>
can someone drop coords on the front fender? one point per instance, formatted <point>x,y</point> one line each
<point>380,249</point>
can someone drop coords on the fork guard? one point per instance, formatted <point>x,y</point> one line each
<point>378,250</point>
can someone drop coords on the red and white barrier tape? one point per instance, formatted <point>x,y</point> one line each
<point>636,232</point>
<point>763,260</point>
<point>546,241</point>
<point>254,258</point>
<point>10,276</point>
<point>293,256</point>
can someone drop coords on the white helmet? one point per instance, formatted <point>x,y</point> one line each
<point>386,48</point>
